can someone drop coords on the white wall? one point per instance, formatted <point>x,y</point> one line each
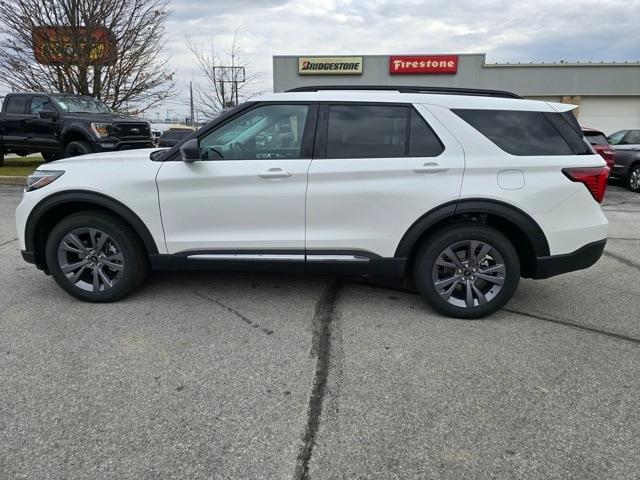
<point>609,114</point>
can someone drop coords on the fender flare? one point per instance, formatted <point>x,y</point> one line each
<point>99,200</point>
<point>512,214</point>
<point>76,129</point>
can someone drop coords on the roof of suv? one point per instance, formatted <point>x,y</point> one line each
<point>447,100</point>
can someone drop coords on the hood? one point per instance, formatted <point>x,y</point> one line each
<point>103,117</point>
<point>110,158</point>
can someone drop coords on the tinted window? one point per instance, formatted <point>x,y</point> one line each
<point>16,104</point>
<point>565,127</point>
<point>364,131</point>
<point>615,138</point>
<point>422,140</point>
<point>596,138</point>
<point>518,132</point>
<point>270,131</point>
<point>633,137</point>
<point>39,103</point>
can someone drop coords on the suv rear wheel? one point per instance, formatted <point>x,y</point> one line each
<point>96,257</point>
<point>634,178</point>
<point>467,271</point>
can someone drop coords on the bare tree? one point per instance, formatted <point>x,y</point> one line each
<point>136,75</point>
<point>228,77</point>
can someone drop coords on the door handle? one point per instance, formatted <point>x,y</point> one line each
<point>275,173</point>
<point>430,167</point>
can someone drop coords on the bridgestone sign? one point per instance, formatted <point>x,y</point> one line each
<point>330,65</point>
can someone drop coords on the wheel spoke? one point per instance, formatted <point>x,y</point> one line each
<point>482,254</point>
<point>68,248</point>
<point>481,298</point>
<point>113,266</point>
<point>107,281</point>
<point>445,282</point>
<point>453,257</point>
<point>469,296</point>
<point>491,278</point>
<point>499,268</point>
<point>443,263</point>
<point>101,241</point>
<point>76,276</point>
<point>117,256</point>
<point>446,294</point>
<point>70,267</point>
<point>96,280</point>
<point>76,241</point>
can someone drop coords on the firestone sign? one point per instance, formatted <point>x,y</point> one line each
<point>423,64</point>
<point>330,65</point>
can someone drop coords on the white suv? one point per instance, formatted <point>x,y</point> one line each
<point>458,192</point>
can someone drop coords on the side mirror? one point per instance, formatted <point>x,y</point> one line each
<point>190,151</point>
<point>48,114</point>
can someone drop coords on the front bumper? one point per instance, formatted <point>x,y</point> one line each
<point>109,144</point>
<point>582,258</point>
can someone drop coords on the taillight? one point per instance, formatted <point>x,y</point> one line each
<point>595,179</point>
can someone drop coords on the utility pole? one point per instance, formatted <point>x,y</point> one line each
<point>191,103</point>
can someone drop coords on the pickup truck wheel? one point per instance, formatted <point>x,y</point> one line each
<point>96,257</point>
<point>467,271</point>
<point>50,156</point>
<point>634,178</point>
<point>73,149</point>
<point>1,158</point>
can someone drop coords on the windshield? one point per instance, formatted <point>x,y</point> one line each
<point>80,104</point>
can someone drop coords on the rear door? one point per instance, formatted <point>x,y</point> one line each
<point>377,168</point>
<point>627,149</point>
<point>15,132</point>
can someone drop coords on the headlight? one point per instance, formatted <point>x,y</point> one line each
<point>101,129</point>
<point>40,178</point>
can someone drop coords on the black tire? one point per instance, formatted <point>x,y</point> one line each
<point>135,264</point>
<point>459,235</point>
<point>80,147</point>
<point>50,156</point>
<point>633,181</point>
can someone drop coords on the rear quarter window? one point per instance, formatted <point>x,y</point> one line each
<point>17,104</point>
<point>525,133</point>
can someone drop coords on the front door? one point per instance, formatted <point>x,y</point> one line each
<point>246,195</point>
<point>42,131</point>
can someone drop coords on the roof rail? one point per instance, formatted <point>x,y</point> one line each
<point>409,89</point>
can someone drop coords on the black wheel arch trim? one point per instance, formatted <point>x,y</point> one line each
<point>472,205</point>
<point>97,199</point>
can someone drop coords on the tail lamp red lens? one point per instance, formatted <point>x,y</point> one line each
<point>594,178</point>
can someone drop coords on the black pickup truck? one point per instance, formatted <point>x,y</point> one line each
<point>60,125</point>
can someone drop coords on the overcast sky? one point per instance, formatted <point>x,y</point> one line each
<point>507,30</point>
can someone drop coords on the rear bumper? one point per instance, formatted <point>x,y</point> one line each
<point>582,258</point>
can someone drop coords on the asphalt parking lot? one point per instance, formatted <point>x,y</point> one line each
<point>252,376</point>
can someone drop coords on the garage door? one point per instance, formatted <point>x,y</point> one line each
<point>609,114</point>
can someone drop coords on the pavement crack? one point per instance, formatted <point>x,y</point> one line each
<point>8,242</point>
<point>242,317</point>
<point>622,259</point>
<point>321,349</point>
<point>578,326</point>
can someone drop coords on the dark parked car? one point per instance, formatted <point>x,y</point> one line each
<point>173,136</point>
<point>598,141</point>
<point>59,125</point>
<point>626,144</point>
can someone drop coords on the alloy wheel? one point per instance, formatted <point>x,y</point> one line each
<point>90,259</point>
<point>634,179</point>
<point>469,273</point>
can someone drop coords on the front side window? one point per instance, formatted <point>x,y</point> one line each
<point>365,131</point>
<point>523,133</point>
<point>39,103</point>
<point>616,138</point>
<point>269,131</point>
<point>16,104</point>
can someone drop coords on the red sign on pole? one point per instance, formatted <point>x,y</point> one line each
<point>423,64</point>
<point>81,45</point>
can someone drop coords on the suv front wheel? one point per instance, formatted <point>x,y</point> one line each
<point>467,271</point>
<point>96,257</point>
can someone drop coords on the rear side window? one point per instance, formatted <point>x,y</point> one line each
<point>596,138</point>
<point>366,131</point>
<point>17,104</point>
<point>526,133</point>
<point>423,142</point>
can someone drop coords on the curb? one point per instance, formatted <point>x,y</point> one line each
<point>12,180</point>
